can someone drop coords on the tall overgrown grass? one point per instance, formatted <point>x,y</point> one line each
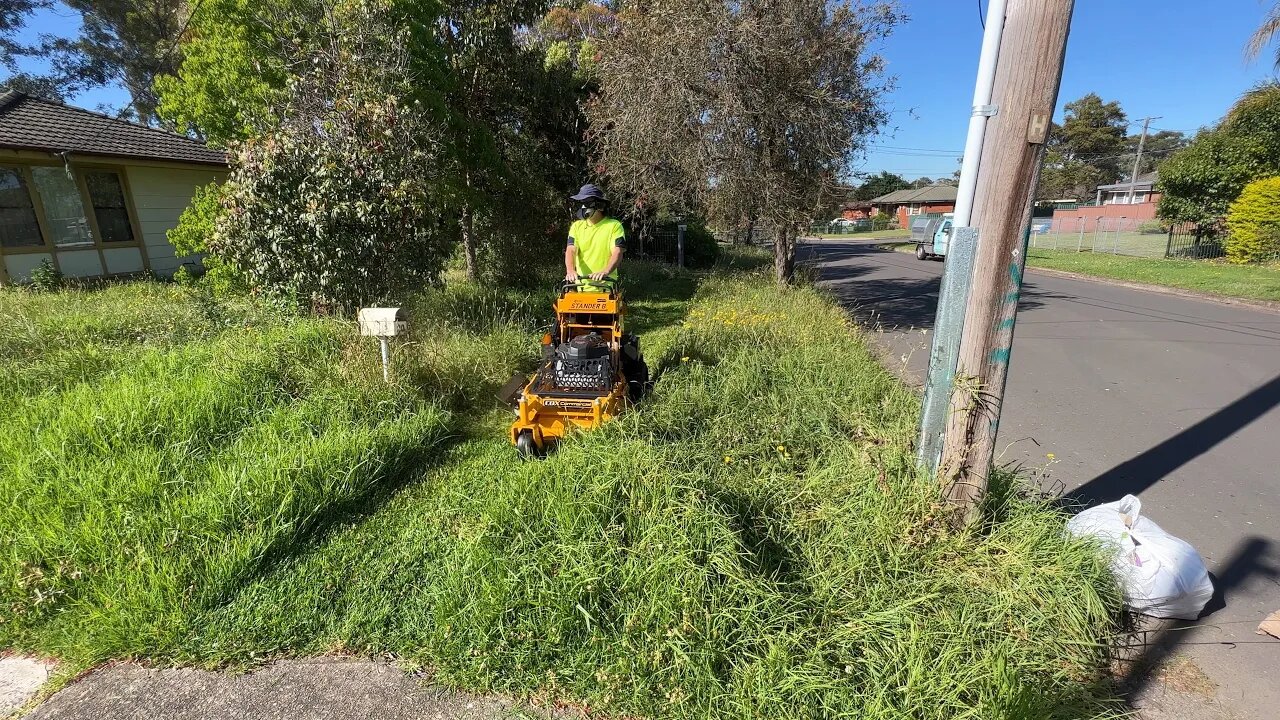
<point>752,541</point>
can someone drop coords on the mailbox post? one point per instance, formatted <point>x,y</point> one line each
<point>384,324</point>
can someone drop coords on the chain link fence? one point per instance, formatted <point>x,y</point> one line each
<point>1130,236</point>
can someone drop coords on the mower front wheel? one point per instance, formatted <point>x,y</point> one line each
<point>526,448</point>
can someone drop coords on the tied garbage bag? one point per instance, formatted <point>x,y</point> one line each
<point>1160,575</point>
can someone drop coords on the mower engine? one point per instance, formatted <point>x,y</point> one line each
<point>583,363</point>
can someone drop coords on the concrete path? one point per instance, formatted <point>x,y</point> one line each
<point>20,679</point>
<point>316,689</point>
<point>1114,391</point>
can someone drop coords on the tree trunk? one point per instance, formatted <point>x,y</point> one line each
<point>467,222</point>
<point>751,230</point>
<point>784,254</point>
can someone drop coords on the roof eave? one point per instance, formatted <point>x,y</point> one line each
<point>122,156</point>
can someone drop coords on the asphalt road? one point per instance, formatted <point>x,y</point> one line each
<point>1175,400</point>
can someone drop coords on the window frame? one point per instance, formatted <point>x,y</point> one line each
<point>78,169</point>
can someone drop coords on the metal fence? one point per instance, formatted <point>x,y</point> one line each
<point>1121,236</point>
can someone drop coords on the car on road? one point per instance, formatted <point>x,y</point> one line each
<point>932,235</point>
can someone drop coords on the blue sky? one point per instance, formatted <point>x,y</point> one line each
<point>1170,58</point>
<point>1166,58</point>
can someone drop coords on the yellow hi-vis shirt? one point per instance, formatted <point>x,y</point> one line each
<point>595,244</point>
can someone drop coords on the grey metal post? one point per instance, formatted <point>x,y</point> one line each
<point>386,360</point>
<point>944,354</point>
<point>680,245</point>
<point>1080,242</point>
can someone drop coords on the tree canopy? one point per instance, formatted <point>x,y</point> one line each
<point>881,184</point>
<point>1087,150</point>
<point>739,110</point>
<point>1200,182</point>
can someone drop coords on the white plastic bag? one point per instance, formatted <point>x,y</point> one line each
<point>1160,575</point>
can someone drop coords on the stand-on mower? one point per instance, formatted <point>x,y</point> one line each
<point>591,369</point>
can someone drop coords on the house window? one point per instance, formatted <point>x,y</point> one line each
<point>18,225</point>
<point>63,208</point>
<point>109,209</point>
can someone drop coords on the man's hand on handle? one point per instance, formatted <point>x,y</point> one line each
<point>571,276</point>
<point>599,275</point>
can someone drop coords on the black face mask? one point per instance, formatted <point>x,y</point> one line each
<point>586,211</point>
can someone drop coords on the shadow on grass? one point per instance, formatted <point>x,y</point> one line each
<point>408,468</point>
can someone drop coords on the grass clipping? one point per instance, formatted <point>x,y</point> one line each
<point>753,541</point>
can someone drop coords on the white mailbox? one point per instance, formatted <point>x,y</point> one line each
<point>382,322</point>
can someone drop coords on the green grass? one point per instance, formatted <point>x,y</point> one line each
<point>752,541</point>
<point>1255,282</point>
<point>1135,244</point>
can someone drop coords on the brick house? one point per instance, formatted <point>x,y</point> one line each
<point>855,210</point>
<point>933,199</point>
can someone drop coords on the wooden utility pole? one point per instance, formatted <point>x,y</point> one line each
<point>1028,73</point>
<point>1137,160</point>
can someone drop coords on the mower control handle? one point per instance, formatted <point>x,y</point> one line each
<point>609,285</point>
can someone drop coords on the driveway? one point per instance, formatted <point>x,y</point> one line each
<point>1114,391</point>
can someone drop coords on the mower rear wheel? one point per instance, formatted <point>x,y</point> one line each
<point>526,448</point>
<point>637,380</point>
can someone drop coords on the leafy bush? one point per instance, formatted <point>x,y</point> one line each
<point>45,277</point>
<point>340,205</point>
<point>190,237</point>
<point>882,221</point>
<point>1253,223</point>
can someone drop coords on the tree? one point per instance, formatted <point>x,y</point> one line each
<point>512,128</point>
<point>739,109</point>
<point>922,182</point>
<point>338,205</point>
<point>1087,150</point>
<point>1265,33</point>
<point>1159,146</point>
<point>13,15</point>
<point>130,42</point>
<point>882,184</point>
<point>236,62</point>
<point>1199,182</point>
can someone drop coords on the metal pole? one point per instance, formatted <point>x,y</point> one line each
<point>386,359</point>
<point>945,351</point>
<point>680,245</point>
<point>1080,242</point>
<point>957,274</point>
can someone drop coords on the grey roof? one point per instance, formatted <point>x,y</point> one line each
<point>927,194</point>
<point>30,123</point>
<point>1145,181</point>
